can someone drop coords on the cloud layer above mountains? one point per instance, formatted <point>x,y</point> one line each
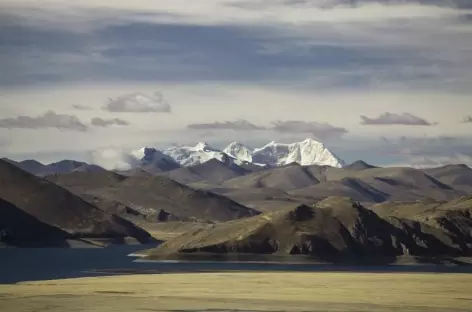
<point>49,119</point>
<point>254,71</point>
<point>240,124</point>
<point>357,43</point>
<point>138,103</point>
<point>100,122</point>
<point>405,119</point>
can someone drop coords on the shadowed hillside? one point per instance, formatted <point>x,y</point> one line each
<point>334,230</point>
<point>453,217</point>
<point>18,228</point>
<point>285,178</point>
<point>367,184</point>
<point>213,171</point>
<point>359,165</point>
<point>54,205</point>
<point>349,187</point>
<point>61,167</point>
<point>162,193</point>
<point>454,175</point>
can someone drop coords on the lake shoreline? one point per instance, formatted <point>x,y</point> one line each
<point>37,264</point>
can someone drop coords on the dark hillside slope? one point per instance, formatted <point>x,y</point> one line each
<point>359,165</point>
<point>213,171</point>
<point>158,192</point>
<point>87,185</point>
<point>398,182</point>
<point>85,181</point>
<point>453,217</point>
<point>334,230</point>
<point>355,189</point>
<point>30,165</point>
<point>56,206</point>
<point>18,228</point>
<point>286,178</point>
<point>454,175</point>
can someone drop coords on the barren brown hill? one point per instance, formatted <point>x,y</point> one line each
<point>87,185</point>
<point>86,181</point>
<point>349,187</point>
<point>135,172</point>
<point>29,165</point>
<point>453,217</point>
<point>361,182</point>
<point>213,171</point>
<point>289,177</point>
<point>399,183</point>
<point>56,206</point>
<point>17,228</point>
<point>158,192</point>
<point>359,165</point>
<point>454,175</point>
<point>60,167</point>
<point>334,230</point>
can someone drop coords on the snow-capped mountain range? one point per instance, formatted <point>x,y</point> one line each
<point>307,152</point>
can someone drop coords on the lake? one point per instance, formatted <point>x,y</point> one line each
<point>32,264</point>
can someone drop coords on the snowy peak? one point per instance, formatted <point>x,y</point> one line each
<point>194,155</point>
<point>239,151</point>
<point>154,161</point>
<point>204,147</point>
<point>307,152</point>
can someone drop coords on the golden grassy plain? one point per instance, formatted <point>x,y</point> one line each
<point>245,291</point>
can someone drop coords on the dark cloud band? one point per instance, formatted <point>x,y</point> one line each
<point>50,119</point>
<point>387,118</point>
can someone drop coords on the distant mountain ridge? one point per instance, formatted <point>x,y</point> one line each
<point>236,155</point>
<point>60,167</point>
<point>305,153</point>
<point>33,208</point>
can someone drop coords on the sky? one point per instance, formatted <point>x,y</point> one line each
<point>388,82</point>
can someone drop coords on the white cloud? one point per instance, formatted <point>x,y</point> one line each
<point>50,119</point>
<point>467,119</point>
<point>425,45</point>
<point>100,122</point>
<point>320,130</point>
<point>81,107</point>
<point>405,119</point>
<point>238,125</point>
<point>234,11</point>
<point>138,103</point>
<point>113,159</point>
<point>419,58</point>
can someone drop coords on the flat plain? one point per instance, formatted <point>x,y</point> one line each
<point>245,291</point>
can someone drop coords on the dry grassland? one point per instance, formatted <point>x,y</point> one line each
<point>245,292</point>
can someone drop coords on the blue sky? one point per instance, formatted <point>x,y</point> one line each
<point>385,81</point>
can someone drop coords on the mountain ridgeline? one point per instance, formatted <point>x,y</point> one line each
<point>335,230</point>
<point>281,201</point>
<point>34,210</point>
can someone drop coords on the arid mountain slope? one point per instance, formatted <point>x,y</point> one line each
<point>289,177</point>
<point>454,175</point>
<point>368,184</point>
<point>58,207</point>
<point>213,171</point>
<point>162,193</point>
<point>334,230</point>
<point>17,228</point>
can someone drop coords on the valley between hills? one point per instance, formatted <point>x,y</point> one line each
<point>237,210</point>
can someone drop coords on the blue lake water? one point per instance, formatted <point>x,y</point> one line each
<point>29,264</point>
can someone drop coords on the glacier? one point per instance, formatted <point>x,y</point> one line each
<point>307,152</point>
